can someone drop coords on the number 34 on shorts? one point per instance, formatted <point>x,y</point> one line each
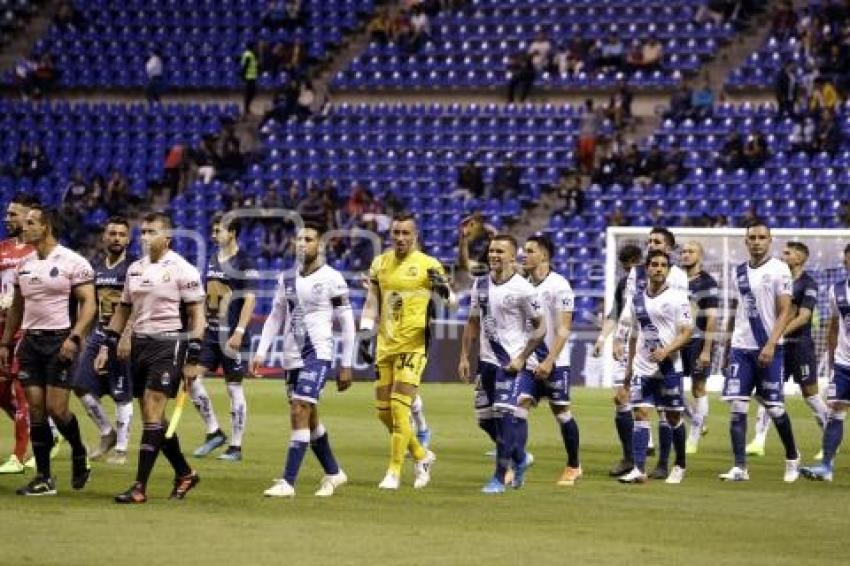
<point>404,368</point>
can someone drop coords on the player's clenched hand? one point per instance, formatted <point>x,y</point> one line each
<point>101,359</point>
<point>619,351</point>
<point>343,379</point>
<point>597,347</point>
<point>766,355</point>
<point>191,372</point>
<point>258,362</point>
<point>68,350</point>
<point>515,366</point>
<point>234,343</point>
<point>704,359</point>
<point>463,370</point>
<point>658,355</point>
<point>123,348</point>
<point>543,369</point>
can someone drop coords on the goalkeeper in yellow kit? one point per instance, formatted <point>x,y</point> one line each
<point>402,283</point>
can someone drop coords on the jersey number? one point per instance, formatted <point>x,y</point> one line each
<point>405,361</point>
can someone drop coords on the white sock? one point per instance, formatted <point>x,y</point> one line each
<point>697,418</point>
<point>238,412</point>
<point>651,443</point>
<point>53,430</point>
<point>201,400</point>
<point>818,408</point>
<point>96,413</point>
<point>762,425</point>
<point>123,418</point>
<point>417,414</point>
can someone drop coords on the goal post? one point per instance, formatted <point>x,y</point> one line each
<point>724,249</point>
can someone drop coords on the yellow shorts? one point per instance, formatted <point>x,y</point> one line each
<point>404,368</point>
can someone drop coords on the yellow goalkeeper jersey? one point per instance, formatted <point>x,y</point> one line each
<point>404,292</point>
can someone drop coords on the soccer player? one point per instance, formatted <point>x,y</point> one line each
<point>696,355</point>
<point>800,361</point>
<point>231,275</point>
<point>13,399</point>
<point>307,300</point>
<point>44,286</point>
<point>763,310</point>
<point>629,257</point>
<point>164,351</point>
<point>403,282</point>
<point>505,317</point>
<point>110,274</point>
<point>838,349</point>
<point>551,376</point>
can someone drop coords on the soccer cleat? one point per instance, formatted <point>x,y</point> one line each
<point>280,488</point>
<point>659,473</point>
<point>491,453</point>
<point>183,484</point>
<point>133,496</point>
<point>213,441</point>
<point>569,476</point>
<point>12,466</point>
<point>80,471</point>
<point>424,437</point>
<point>691,446</point>
<point>792,470</point>
<point>107,443</point>
<point>232,454</point>
<point>755,448</point>
<point>817,473</point>
<point>329,483</point>
<point>620,468</point>
<point>519,472</point>
<point>118,458</point>
<point>422,470</point>
<point>633,476</point>
<point>494,486</point>
<point>677,474</point>
<point>30,463</point>
<point>57,445</point>
<point>736,473</point>
<point>38,486</point>
<point>390,481</point>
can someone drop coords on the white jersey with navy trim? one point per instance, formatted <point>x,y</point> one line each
<point>657,320</point>
<point>556,296</point>
<point>839,300</point>
<point>767,282</point>
<point>505,310</point>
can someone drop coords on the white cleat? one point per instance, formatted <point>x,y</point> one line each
<point>792,470</point>
<point>633,476</point>
<point>735,474</point>
<point>676,475</point>
<point>329,483</point>
<point>390,481</point>
<point>423,470</point>
<point>280,488</point>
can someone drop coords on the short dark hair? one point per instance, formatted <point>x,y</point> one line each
<point>629,253</point>
<point>656,253</point>
<point>404,217</point>
<point>118,220</point>
<point>310,225</point>
<point>505,238</point>
<point>668,235</point>
<point>49,217</point>
<point>234,225</point>
<point>755,223</point>
<point>544,242</point>
<point>159,216</point>
<point>25,199</point>
<point>799,246</point>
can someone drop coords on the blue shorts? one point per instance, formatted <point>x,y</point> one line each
<point>801,363</point>
<point>556,387</point>
<point>839,386</point>
<point>495,388</point>
<point>213,356</point>
<point>690,354</point>
<point>114,381</point>
<point>744,375</point>
<point>664,392</point>
<point>306,383</point>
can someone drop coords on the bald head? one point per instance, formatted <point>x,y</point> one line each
<point>692,253</point>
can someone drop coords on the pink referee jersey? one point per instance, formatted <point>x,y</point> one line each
<point>156,291</point>
<point>46,286</point>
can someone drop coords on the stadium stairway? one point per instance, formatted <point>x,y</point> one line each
<point>24,41</point>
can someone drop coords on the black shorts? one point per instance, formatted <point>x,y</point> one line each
<point>113,381</point>
<point>690,355</point>
<point>213,355</point>
<point>38,354</point>
<point>800,362</point>
<point>156,363</point>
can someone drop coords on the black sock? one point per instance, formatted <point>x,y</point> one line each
<point>171,450</point>
<point>71,431</point>
<point>625,422</point>
<point>42,442</point>
<point>152,435</point>
<point>680,442</point>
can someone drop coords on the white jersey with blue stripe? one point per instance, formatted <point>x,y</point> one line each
<point>662,316</point>
<point>839,299</point>
<point>767,282</point>
<point>556,296</point>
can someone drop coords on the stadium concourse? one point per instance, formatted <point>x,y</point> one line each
<point>476,117</point>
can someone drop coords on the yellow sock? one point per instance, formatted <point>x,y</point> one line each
<point>384,415</point>
<point>402,437</point>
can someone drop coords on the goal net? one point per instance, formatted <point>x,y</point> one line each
<point>725,249</point>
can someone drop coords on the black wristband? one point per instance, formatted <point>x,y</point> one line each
<point>112,337</point>
<point>193,351</point>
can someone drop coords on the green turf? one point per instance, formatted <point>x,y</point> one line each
<point>227,521</point>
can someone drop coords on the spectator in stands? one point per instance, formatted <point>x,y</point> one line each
<point>33,162</point>
<point>292,196</point>
<point>312,208</point>
<point>400,30</point>
<point>117,192</point>
<point>249,65</point>
<point>67,17</point>
<point>420,29</point>
<point>717,11</point>
<point>359,203</point>
<point>674,166</point>
<point>611,54</point>
<point>756,152</point>
<point>206,159</point>
<point>379,26</point>
<point>651,165</point>
<point>361,249</point>
<point>306,100</point>
<point>570,59</point>
<point>506,180</point>
<point>617,218</point>
<point>293,57</point>
<point>470,180</point>
<point>540,52</point>
<point>589,130</point>
<point>828,133</point>
<point>44,76</point>
<point>276,242</point>
<point>285,102</point>
<point>836,65</point>
<point>784,20</point>
<point>824,97</point>
<point>732,154</point>
<point>702,102</point>
<point>273,14</point>
<point>803,135</point>
<point>787,89</point>
<point>175,168</point>
<point>25,68</point>
<point>154,73</point>
<point>619,109</point>
<point>610,169</point>
<point>232,162</point>
<point>680,104</point>
<point>75,191</point>
<point>651,55</point>
<point>293,14</point>
<point>521,73</point>
<point>473,239</point>
<point>570,192</point>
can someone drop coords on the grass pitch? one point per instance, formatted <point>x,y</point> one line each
<point>225,520</point>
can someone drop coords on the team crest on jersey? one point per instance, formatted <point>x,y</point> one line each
<point>54,272</point>
<point>166,378</point>
<point>510,300</point>
<point>166,277</point>
<point>413,271</point>
<point>318,289</point>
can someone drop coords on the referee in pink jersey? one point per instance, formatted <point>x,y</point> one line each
<point>165,295</point>
<point>44,284</point>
